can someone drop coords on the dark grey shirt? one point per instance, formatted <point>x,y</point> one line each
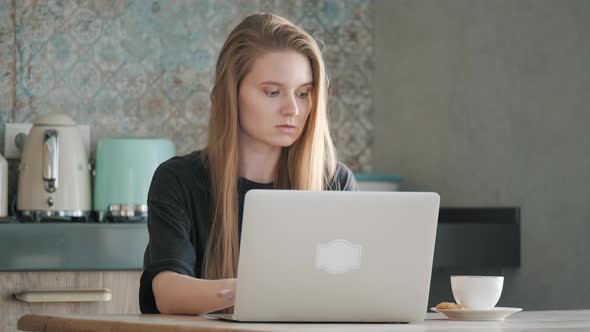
<point>179,218</point>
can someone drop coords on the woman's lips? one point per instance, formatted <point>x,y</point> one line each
<point>287,128</point>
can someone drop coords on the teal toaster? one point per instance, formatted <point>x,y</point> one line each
<point>123,173</point>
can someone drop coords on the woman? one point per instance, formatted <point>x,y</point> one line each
<point>268,129</point>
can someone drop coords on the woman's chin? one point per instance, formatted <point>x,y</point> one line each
<point>284,143</point>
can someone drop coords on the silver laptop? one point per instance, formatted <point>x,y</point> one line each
<point>335,256</point>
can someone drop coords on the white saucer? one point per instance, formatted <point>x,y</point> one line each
<point>497,313</point>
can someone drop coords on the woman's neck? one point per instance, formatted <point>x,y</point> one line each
<point>258,163</point>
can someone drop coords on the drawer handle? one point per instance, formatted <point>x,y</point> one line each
<point>65,295</point>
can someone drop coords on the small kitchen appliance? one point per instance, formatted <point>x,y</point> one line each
<point>123,173</point>
<point>54,176</point>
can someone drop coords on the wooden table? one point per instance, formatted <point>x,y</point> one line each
<point>577,320</point>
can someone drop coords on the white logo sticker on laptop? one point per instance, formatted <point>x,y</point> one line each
<point>338,256</point>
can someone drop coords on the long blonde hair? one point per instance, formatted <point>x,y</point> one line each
<point>308,164</point>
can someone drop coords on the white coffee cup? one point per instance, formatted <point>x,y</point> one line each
<point>477,292</point>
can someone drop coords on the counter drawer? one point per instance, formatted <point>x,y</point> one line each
<point>113,292</point>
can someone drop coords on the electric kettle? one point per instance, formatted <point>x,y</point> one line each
<point>54,175</point>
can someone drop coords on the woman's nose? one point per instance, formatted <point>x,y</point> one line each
<point>290,107</point>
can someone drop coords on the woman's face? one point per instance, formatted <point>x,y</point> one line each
<point>275,99</point>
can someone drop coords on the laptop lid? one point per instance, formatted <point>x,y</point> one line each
<point>336,256</point>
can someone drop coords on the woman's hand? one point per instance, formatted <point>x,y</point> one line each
<point>228,292</point>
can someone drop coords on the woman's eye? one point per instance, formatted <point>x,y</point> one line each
<point>273,93</point>
<point>304,94</point>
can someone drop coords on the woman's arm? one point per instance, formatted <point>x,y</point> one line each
<point>183,295</point>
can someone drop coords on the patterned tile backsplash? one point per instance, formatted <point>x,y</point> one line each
<point>145,68</point>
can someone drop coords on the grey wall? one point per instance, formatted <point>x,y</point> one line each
<point>488,103</point>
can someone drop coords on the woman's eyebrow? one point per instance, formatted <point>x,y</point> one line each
<point>281,84</point>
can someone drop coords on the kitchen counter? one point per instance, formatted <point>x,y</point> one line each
<point>466,237</point>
